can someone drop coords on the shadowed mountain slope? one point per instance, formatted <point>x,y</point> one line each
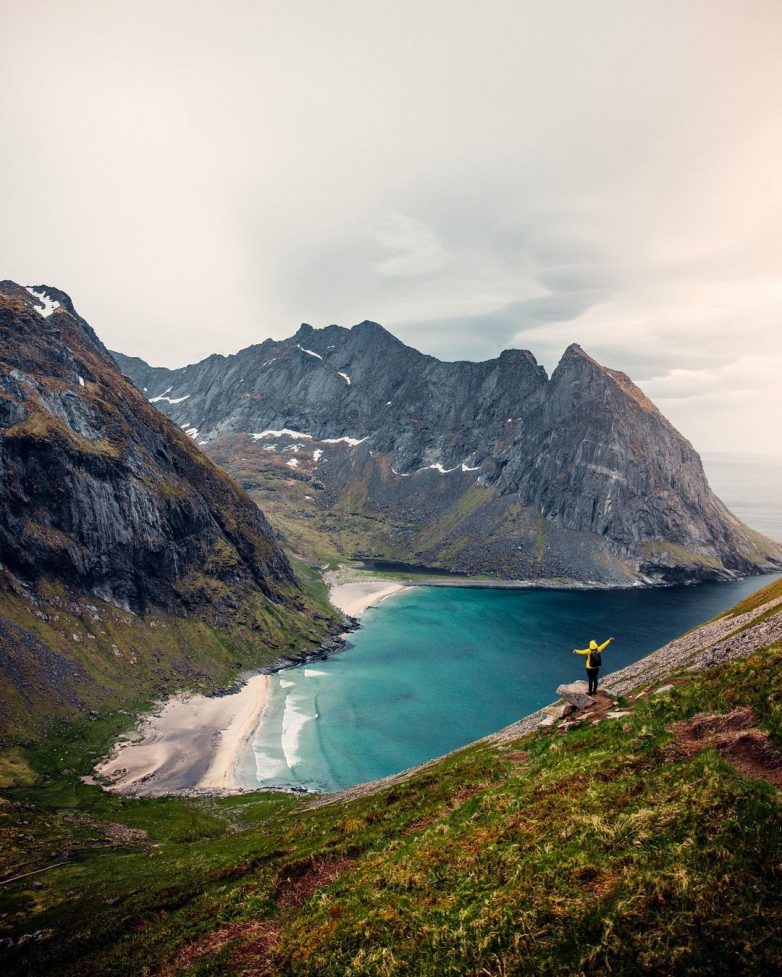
<point>104,501</point>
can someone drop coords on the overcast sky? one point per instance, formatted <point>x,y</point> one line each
<point>200,175</point>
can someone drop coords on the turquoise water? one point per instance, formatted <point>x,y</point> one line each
<point>433,669</point>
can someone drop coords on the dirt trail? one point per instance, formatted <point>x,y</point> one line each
<point>736,736</point>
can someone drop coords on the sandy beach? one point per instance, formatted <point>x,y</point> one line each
<point>192,743</point>
<point>353,596</point>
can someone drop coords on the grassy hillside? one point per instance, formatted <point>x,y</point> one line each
<point>649,843</point>
<point>66,657</point>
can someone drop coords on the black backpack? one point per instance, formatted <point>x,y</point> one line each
<point>595,659</point>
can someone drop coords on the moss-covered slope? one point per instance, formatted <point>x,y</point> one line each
<point>129,562</point>
<point>648,843</point>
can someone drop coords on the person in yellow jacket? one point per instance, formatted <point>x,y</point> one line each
<point>594,661</point>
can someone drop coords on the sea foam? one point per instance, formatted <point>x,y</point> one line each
<point>294,719</point>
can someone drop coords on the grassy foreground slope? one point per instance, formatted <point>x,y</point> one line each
<point>649,843</point>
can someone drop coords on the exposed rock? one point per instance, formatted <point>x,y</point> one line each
<point>712,643</point>
<point>559,710</point>
<point>101,496</point>
<point>485,467</point>
<point>104,493</point>
<point>577,695</point>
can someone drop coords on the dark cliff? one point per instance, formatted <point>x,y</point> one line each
<point>488,467</point>
<point>130,564</point>
<point>102,491</point>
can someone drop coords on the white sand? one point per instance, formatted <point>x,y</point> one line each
<point>193,743</point>
<point>353,597</point>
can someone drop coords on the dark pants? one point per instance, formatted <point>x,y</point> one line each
<point>592,674</point>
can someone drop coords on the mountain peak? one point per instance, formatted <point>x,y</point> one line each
<point>367,326</point>
<point>585,450</point>
<point>576,354</point>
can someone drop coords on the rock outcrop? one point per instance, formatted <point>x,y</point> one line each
<point>102,492</point>
<point>485,467</point>
<point>576,694</point>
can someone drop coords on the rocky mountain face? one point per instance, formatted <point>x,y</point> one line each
<point>102,491</point>
<point>104,501</point>
<point>493,467</point>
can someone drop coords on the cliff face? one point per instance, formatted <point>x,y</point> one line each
<point>597,456</point>
<point>101,491</point>
<point>486,467</point>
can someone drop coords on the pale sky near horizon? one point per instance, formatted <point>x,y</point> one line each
<point>199,176</point>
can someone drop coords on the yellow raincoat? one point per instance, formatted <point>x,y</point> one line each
<point>593,646</point>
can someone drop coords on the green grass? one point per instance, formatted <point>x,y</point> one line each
<point>594,852</point>
<point>679,555</point>
<point>109,664</point>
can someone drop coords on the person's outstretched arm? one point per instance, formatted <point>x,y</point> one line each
<point>605,644</point>
<point>578,651</point>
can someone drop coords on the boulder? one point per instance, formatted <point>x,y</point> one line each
<point>576,694</point>
<point>559,710</point>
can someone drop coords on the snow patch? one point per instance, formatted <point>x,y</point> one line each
<point>345,377</point>
<point>284,432</point>
<point>470,468</point>
<point>293,463</point>
<point>168,400</point>
<point>351,441</point>
<point>47,305</point>
<point>81,381</point>
<point>437,466</point>
<point>317,454</point>
<point>192,432</point>
<point>309,352</point>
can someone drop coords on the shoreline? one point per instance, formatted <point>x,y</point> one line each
<point>354,595</point>
<point>191,744</point>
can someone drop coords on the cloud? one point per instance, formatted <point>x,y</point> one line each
<point>199,182</point>
<point>417,249</point>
